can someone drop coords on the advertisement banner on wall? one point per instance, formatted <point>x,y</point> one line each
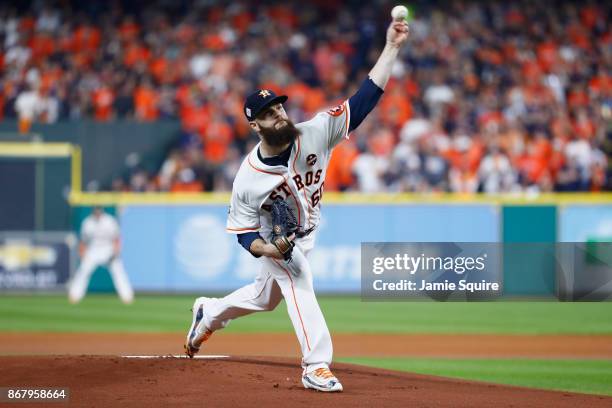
<point>584,223</point>
<point>186,248</point>
<point>590,277</point>
<point>36,260</point>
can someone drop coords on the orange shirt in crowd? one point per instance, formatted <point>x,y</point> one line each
<point>297,93</point>
<point>537,93</point>
<point>531,72</point>
<point>314,101</point>
<point>183,95</point>
<point>42,46</point>
<point>560,127</point>
<point>577,97</point>
<point>158,68</point>
<point>128,30</point>
<point>515,17</point>
<point>532,166</point>
<point>135,53</point>
<point>191,187</point>
<point>339,173</point>
<point>584,127</point>
<point>27,24</point>
<point>598,178</point>
<point>311,100</point>
<point>213,41</point>
<point>216,138</point>
<point>86,38</point>
<point>82,59</point>
<point>50,76</point>
<point>283,15</point>
<point>454,157</point>
<point>489,117</point>
<point>556,162</point>
<point>194,117</point>
<point>103,99</point>
<point>474,154</point>
<point>509,51</point>
<point>66,42</point>
<point>242,21</point>
<point>145,103</point>
<point>411,88</point>
<point>185,33</point>
<point>395,108</point>
<point>547,55</point>
<point>601,84</point>
<point>579,36</point>
<point>491,55</point>
<point>589,15</point>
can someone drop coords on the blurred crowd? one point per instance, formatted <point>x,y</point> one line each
<point>486,97</point>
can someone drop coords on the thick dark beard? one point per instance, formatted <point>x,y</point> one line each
<point>280,137</point>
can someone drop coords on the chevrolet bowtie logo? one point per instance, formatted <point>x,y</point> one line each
<point>18,255</point>
<point>264,92</point>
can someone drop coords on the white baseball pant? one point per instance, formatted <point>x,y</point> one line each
<point>93,258</point>
<point>274,282</point>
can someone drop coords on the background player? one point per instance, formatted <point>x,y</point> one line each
<point>100,245</point>
<point>289,163</point>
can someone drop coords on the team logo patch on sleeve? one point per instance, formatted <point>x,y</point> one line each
<point>337,111</point>
<point>311,159</point>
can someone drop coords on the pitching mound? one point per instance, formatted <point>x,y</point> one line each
<point>106,381</point>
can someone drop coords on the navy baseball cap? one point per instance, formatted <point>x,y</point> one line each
<point>259,100</point>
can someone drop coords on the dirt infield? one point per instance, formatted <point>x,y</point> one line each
<point>106,381</point>
<point>285,345</point>
<point>90,366</point>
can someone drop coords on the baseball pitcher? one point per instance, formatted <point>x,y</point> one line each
<point>275,210</point>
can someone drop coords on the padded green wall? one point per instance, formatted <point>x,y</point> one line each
<point>522,225</point>
<point>104,146</point>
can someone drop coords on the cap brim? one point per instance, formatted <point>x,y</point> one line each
<point>278,99</point>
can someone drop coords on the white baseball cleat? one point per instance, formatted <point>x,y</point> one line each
<point>321,379</point>
<point>198,333</point>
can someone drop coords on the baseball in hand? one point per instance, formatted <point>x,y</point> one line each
<point>399,13</point>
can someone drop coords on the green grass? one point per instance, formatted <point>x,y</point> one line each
<point>586,376</point>
<point>104,313</point>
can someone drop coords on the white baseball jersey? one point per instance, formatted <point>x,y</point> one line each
<point>300,183</point>
<point>100,233</point>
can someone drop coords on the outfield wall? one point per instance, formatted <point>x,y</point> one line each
<point>184,246</point>
<point>178,243</point>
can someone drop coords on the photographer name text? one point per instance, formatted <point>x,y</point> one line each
<point>423,285</point>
